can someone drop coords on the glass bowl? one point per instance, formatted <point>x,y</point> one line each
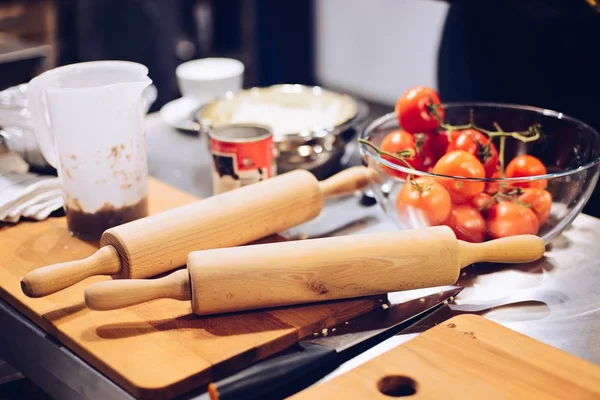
<point>568,148</point>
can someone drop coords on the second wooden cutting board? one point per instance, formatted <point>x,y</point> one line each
<point>467,357</point>
<point>159,349</point>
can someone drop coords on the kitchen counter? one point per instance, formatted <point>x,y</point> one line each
<point>568,278</point>
<point>557,298</point>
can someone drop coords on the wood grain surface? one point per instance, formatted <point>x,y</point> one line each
<point>467,357</point>
<point>304,271</point>
<point>161,243</point>
<point>157,349</point>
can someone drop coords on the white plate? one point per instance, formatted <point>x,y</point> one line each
<point>179,113</point>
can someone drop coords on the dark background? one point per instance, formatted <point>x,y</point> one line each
<point>272,38</point>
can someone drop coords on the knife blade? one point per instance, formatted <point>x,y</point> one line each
<point>331,349</point>
<point>521,297</point>
<point>436,317</point>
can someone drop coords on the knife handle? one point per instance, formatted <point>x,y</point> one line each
<point>273,373</point>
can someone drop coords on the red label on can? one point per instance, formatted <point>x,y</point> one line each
<point>237,164</point>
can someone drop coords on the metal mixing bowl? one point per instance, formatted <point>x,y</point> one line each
<point>318,149</point>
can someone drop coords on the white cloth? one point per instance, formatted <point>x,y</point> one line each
<point>24,194</point>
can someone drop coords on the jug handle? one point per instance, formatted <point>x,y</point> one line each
<point>36,103</point>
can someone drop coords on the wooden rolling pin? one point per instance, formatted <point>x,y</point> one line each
<point>280,274</point>
<point>162,242</point>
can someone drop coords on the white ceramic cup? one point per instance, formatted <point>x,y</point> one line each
<point>208,78</point>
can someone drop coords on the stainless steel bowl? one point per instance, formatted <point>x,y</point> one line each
<point>318,149</point>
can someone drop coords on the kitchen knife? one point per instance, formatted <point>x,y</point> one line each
<point>325,350</point>
<point>442,314</point>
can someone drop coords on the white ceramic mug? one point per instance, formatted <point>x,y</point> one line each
<point>206,79</point>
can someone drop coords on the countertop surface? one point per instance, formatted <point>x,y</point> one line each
<point>555,300</point>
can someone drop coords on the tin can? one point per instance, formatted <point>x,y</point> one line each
<point>242,154</point>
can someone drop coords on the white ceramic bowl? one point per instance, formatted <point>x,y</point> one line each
<point>208,78</point>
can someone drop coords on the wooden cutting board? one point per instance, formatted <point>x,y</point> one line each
<point>467,357</point>
<point>159,349</point>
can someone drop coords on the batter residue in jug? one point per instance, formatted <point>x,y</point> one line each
<point>90,226</point>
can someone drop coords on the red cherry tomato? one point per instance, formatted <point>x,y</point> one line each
<point>424,199</point>
<point>539,201</point>
<point>428,147</point>
<point>453,134</point>
<point>524,166</point>
<point>395,142</point>
<point>424,149</point>
<point>467,223</point>
<point>463,164</point>
<point>412,110</point>
<point>479,145</point>
<point>509,219</point>
<point>493,187</point>
<point>481,201</point>
<point>438,144</point>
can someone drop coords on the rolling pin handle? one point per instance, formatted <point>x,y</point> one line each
<point>347,181</point>
<point>111,295</point>
<point>513,249</point>
<point>53,278</point>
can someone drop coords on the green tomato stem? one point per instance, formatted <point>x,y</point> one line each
<point>401,156</point>
<point>501,151</point>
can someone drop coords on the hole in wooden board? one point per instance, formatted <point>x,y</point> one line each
<point>397,386</point>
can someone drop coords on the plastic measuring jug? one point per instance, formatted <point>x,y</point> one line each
<point>88,119</point>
